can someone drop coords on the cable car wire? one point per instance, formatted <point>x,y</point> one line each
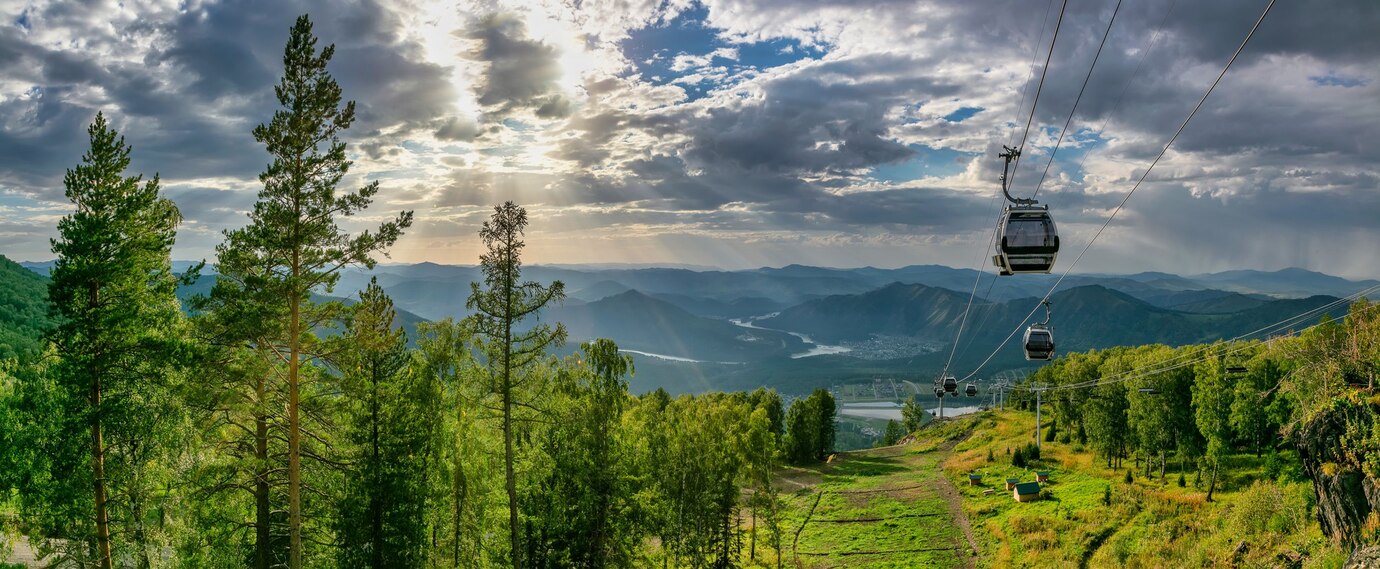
<point>1204,353</point>
<point>1034,53</point>
<point>1149,46</point>
<point>1126,87</point>
<point>1135,187</point>
<point>1127,377</point>
<point>1077,99</point>
<point>1040,87</point>
<point>982,265</point>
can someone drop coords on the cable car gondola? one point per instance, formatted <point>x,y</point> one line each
<point>971,390</point>
<point>1027,241</point>
<point>950,384</point>
<point>1039,339</point>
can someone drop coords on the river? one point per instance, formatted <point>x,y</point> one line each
<point>816,349</point>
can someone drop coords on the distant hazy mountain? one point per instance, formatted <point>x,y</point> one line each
<point>642,323</point>
<point>1086,317</point>
<point>891,319</point>
<point>1283,283</point>
<point>599,290</point>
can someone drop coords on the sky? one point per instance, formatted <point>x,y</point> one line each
<point>737,133</point>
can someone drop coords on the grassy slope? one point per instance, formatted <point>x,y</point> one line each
<point>1148,524</point>
<point>900,483</point>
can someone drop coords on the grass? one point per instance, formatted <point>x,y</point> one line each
<point>876,508</point>
<point>1253,521</point>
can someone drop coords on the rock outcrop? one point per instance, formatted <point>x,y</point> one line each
<point>1346,495</point>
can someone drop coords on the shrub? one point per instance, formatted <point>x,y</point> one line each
<point>1018,459</point>
<point>1107,495</point>
<point>990,458</point>
<point>1181,480</point>
<point>1130,477</point>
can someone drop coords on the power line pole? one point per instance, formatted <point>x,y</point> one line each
<point>1039,388</point>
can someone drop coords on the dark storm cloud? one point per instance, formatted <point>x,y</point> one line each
<point>522,73</point>
<point>760,151</point>
<point>189,106</point>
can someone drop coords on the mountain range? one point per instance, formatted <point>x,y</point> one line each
<point>796,327</point>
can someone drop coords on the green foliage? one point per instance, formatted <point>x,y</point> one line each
<point>810,428</point>
<point>913,414</point>
<point>892,434</point>
<point>580,511</point>
<point>24,317</point>
<point>500,308</point>
<point>293,247</point>
<point>1018,458</point>
<point>117,349</point>
<point>389,417</point>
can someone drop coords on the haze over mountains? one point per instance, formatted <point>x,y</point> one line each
<point>798,326</point>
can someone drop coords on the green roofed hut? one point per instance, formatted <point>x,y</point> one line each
<point>1012,482</point>
<point>1042,477</point>
<point>1027,492</point>
<point>974,479</point>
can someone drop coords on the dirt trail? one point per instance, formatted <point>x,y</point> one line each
<point>23,553</point>
<point>883,477</point>
<point>955,503</point>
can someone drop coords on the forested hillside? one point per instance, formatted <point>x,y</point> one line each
<point>23,310</point>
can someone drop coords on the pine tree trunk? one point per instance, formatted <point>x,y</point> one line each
<point>98,460</point>
<point>752,541</point>
<point>508,467</point>
<point>294,422</point>
<point>263,535</point>
<point>1212,483</point>
<point>458,493</point>
<point>375,508</point>
<point>511,478</point>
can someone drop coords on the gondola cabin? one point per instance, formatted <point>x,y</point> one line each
<point>1039,342</point>
<point>970,390</point>
<point>1028,241</point>
<point>950,384</point>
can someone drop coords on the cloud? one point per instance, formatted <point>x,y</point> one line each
<point>522,73</point>
<point>761,131</point>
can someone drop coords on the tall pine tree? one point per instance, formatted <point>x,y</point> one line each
<point>381,520</point>
<point>293,245</point>
<point>113,291</point>
<point>501,306</point>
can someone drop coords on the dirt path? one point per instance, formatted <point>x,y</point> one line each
<point>881,508</point>
<point>955,507</point>
<point>23,554</point>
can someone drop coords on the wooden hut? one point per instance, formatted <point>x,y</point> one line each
<point>1011,483</point>
<point>1042,477</point>
<point>974,479</point>
<point>1026,492</point>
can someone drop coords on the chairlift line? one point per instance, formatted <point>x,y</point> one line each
<point>1149,46</point>
<point>1203,353</point>
<point>1138,183</point>
<point>999,228</point>
<point>1144,372</point>
<point>1044,72</point>
<point>1077,100</point>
